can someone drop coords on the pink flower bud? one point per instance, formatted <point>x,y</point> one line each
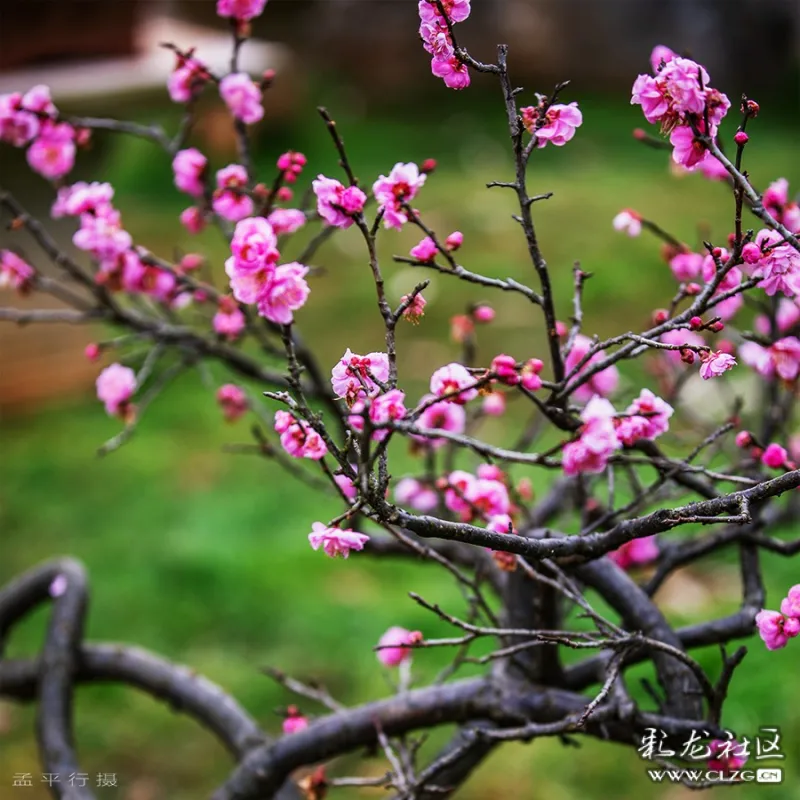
<point>92,351</point>
<point>716,327</point>
<point>294,721</point>
<point>191,261</point>
<point>693,289</point>
<point>751,108</point>
<point>394,646</point>
<point>744,439</point>
<point>561,329</point>
<point>494,404</point>
<point>687,356</point>
<point>506,369</point>
<point>660,316</point>
<point>525,488</point>
<point>454,240</point>
<point>483,313</point>
<point>232,400</point>
<point>461,328</point>
<point>428,166</point>
<point>774,456</point>
<point>640,134</point>
<point>741,138</point>
<point>751,253</point>
<point>284,194</point>
<point>717,252</point>
<point>695,323</point>
<point>530,374</point>
<point>193,220</point>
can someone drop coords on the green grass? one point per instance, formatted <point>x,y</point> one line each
<point>203,557</point>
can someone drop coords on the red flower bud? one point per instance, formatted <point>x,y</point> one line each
<point>687,356</point>
<point>696,323</point>
<point>693,289</point>
<point>717,326</point>
<point>741,138</point>
<point>428,166</point>
<point>660,316</point>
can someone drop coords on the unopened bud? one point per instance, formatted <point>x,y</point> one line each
<point>660,316</point>
<point>717,326</point>
<point>428,166</point>
<point>750,108</point>
<point>687,356</point>
<point>640,134</point>
<point>741,138</point>
<point>717,252</point>
<point>693,289</point>
<point>744,439</point>
<point>695,323</point>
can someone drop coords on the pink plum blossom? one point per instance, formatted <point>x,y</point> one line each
<point>775,629</point>
<point>776,202</point>
<point>286,220</point>
<point>449,379</point>
<point>714,363</point>
<point>410,492</point>
<point>187,79</point>
<point>442,416</point>
<point>681,338</point>
<point>294,722</point>
<point>648,417</point>
<point>425,251</point>
<point>415,310</point>
<point>15,272</point>
<point>298,438</point>
<point>661,54</point>
<point>346,486</point>
<point>193,219</point>
<point>387,407</point>
<point>774,456</point>
<point>779,265</point>
<point>458,485</point>
<point>559,125</point>
<point>115,387</point>
<point>242,96</point>
<point>487,497</point>
<point>686,266</point>
<point>781,358</point>
<point>635,552</point>
<point>102,235</point>
<point>530,374</point>
<point>355,376</point>
<point>189,166</point>
<point>336,204</point>
<point>483,313</point>
<point>229,321</point>
<point>17,126</point>
<point>453,72</point>
<point>790,605</point>
<point>628,221</point>
<point>494,404</point>
<point>500,523</point>
<point>787,316</point>
<point>602,383</point>
<point>436,38</point>
<point>52,153</point>
<point>401,186</point>
<point>286,292</point>
<point>726,756</point>
<point>254,246</point>
<point>713,170</point>
<point>336,541</point>
<point>505,367</point>
<point>688,150</point>
<point>394,646</point>
<point>597,441</point>
<point>84,198</point>
<point>456,10</point>
<point>231,200</point>
<point>232,400</point>
<point>454,241</point>
<point>242,10</point>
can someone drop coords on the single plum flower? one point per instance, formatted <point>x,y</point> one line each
<point>336,541</point>
<point>394,646</point>
<point>115,387</point>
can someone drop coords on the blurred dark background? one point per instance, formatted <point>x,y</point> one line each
<point>202,555</point>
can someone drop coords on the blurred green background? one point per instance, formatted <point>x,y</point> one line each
<point>202,556</point>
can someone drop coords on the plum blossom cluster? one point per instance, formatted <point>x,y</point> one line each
<point>604,431</point>
<point>777,627</point>
<point>31,120</point>
<point>434,30</point>
<point>256,279</point>
<point>678,95</point>
<point>298,438</point>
